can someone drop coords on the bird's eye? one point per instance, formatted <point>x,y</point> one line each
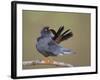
<point>45,29</point>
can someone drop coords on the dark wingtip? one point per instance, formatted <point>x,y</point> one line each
<point>59,36</point>
<point>58,33</point>
<point>67,36</point>
<point>60,30</point>
<point>66,32</point>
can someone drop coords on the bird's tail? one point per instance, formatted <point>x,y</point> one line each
<point>66,51</point>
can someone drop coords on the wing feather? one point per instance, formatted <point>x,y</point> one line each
<point>59,36</point>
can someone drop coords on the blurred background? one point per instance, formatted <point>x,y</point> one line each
<point>79,23</point>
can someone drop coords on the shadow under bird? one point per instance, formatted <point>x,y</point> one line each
<point>49,40</point>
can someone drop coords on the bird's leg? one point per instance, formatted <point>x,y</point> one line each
<point>48,61</point>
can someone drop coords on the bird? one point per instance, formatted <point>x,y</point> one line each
<point>49,40</point>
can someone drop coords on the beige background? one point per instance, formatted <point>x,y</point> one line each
<point>79,23</point>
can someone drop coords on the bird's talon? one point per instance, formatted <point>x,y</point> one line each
<point>48,61</point>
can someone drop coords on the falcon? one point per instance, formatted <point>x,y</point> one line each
<point>49,40</point>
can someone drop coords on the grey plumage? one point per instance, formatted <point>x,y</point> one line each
<point>47,46</point>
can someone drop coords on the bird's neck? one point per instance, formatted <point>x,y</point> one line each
<point>44,37</point>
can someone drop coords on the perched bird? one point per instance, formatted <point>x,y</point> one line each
<point>48,42</point>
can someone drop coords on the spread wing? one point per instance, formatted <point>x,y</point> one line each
<point>60,36</point>
<point>57,34</point>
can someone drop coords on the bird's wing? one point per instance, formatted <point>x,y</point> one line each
<point>57,50</point>
<point>59,36</point>
<point>58,33</point>
<point>54,32</point>
<point>66,35</point>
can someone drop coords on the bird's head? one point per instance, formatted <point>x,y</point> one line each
<point>45,31</point>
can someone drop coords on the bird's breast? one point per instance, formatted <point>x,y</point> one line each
<point>44,41</point>
<point>42,44</point>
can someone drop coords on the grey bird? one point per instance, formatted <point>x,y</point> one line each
<point>49,40</point>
